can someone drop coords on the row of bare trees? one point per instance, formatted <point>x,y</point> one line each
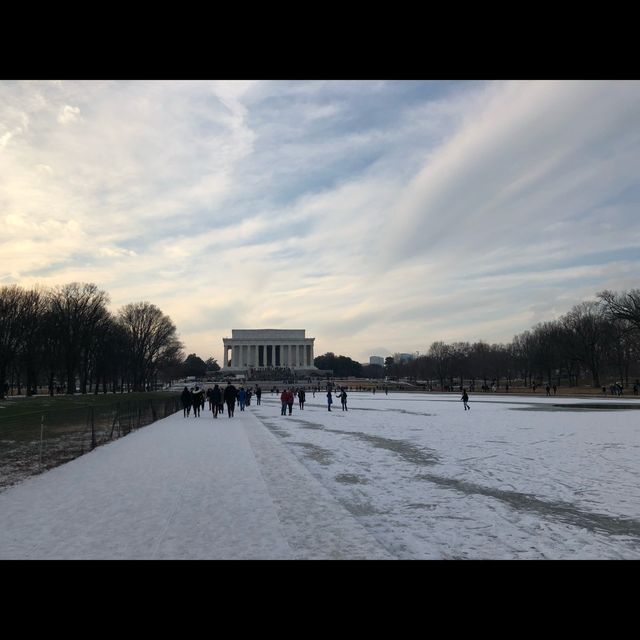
<point>65,336</point>
<point>595,342</point>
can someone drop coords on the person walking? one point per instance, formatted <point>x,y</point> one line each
<point>343,399</point>
<point>185,398</point>
<point>230,399</point>
<point>258,394</point>
<point>465,400</point>
<point>301,398</point>
<point>290,399</point>
<point>283,401</point>
<point>329,400</point>
<point>197,401</point>
<point>242,398</point>
<point>216,400</point>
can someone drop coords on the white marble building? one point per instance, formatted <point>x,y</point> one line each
<point>267,348</point>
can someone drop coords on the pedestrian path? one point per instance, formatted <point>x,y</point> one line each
<point>182,488</point>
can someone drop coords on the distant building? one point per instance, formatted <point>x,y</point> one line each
<point>267,348</point>
<point>376,360</point>
<point>399,358</point>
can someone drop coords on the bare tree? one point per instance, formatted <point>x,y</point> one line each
<point>30,353</point>
<point>12,312</point>
<point>78,310</point>
<point>588,324</point>
<point>624,306</point>
<point>151,335</point>
<point>440,354</point>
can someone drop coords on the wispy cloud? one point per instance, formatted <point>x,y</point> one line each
<point>377,215</point>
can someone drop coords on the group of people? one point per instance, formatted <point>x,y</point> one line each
<point>342,394</point>
<point>616,389</point>
<point>287,398</point>
<point>195,399</point>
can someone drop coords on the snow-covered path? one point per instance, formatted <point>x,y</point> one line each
<point>194,488</point>
<point>404,476</point>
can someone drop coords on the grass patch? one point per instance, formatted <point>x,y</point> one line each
<point>41,432</point>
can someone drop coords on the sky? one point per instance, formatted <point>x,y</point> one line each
<point>380,216</point>
<point>406,476</point>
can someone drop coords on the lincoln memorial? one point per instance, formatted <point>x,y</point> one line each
<point>264,348</point>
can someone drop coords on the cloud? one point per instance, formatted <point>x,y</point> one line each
<point>369,213</point>
<point>113,252</point>
<point>68,114</point>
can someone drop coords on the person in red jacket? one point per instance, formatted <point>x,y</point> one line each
<point>290,399</point>
<point>283,399</point>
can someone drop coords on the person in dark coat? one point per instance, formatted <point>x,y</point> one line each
<point>329,400</point>
<point>258,394</point>
<point>301,398</point>
<point>216,400</point>
<point>343,399</point>
<point>465,400</point>
<point>185,398</point>
<point>197,396</point>
<point>230,394</point>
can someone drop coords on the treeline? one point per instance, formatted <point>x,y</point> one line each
<point>342,366</point>
<point>595,342</point>
<point>65,336</point>
<point>196,366</point>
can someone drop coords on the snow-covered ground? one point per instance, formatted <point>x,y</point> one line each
<point>398,476</point>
